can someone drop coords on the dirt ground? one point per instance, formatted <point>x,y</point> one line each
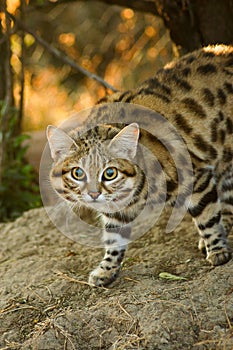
<point>46,304</point>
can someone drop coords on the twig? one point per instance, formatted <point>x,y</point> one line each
<point>14,308</point>
<point>227,317</point>
<point>131,279</point>
<point>65,334</point>
<point>206,342</point>
<point>121,307</point>
<point>61,55</point>
<point>63,275</point>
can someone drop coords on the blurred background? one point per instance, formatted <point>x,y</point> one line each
<point>122,42</point>
<point>118,44</point>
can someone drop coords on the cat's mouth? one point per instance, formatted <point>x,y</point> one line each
<point>97,204</point>
<point>100,203</point>
<point>94,201</point>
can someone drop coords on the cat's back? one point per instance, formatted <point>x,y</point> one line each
<point>195,93</point>
<point>196,82</point>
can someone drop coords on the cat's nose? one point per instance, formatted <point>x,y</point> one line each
<point>94,194</point>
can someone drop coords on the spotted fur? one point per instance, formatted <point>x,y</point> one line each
<point>195,94</point>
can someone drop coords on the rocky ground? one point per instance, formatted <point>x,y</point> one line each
<point>46,304</point>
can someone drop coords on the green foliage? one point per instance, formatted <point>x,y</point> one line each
<point>19,190</point>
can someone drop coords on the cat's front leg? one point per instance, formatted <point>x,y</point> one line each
<point>115,240</point>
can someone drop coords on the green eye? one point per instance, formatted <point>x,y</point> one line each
<point>110,174</point>
<point>78,174</point>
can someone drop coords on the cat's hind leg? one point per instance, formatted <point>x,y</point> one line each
<point>225,193</point>
<point>205,208</point>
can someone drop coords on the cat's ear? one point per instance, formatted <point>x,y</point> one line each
<point>59,142</point>
<point>124,144</point>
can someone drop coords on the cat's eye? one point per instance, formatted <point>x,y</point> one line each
<point>110,174</point>
<point>78,174</point>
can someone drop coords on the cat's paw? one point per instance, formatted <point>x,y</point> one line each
<point>220,257</point>
<point>101,277</point>
<point>201,246</point>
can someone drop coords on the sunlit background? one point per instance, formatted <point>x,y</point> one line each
<point>117,44</point>
<point>120,45</point>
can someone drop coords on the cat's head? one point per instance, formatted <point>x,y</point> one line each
<point>95,169</point>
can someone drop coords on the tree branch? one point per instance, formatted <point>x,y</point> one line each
<point>61,55</point>
<point>137,5</point>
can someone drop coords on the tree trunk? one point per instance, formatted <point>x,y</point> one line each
<point>195,23</point>
<point>214,20</point>
<point>6,96</point>
<point>192,23</point>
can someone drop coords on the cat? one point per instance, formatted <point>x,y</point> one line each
<point>195,95</point>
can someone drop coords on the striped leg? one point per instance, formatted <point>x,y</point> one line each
<point>225,193</point>
<point>205,208</point>
<point>115,241</point>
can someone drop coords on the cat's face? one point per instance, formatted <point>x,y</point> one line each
<point>93,171</point>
